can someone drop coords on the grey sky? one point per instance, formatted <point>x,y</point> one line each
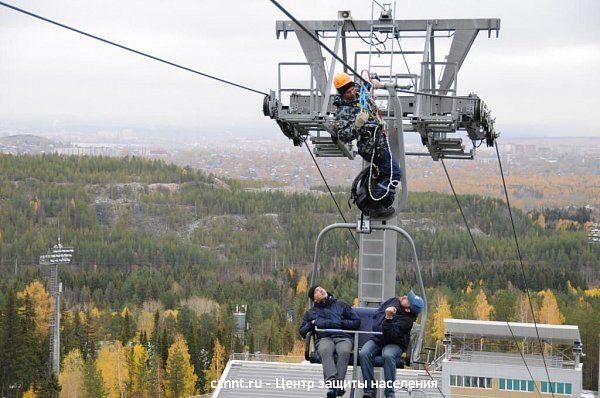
<point>539,76</point>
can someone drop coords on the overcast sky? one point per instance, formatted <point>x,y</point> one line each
<point>539,76</point>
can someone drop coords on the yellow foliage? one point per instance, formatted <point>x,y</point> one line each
<point>297,348</point>
<point>355,302</point>
<point>443,311</point>
<point>180,379</point>
<point>216,367</point>
<point>145,322</point>
<point>469,288</point>
<point>542,220</point>
<point>170,313</point>
<point>112,364</point>
<point>549,313</point>
<point>71,375</point>
<point>95,312</point>
<point>483,310</point>
<point>139,371</point>
<point>43,306</point>
<point>595,292</point>
<point>29,393</point>
<point>125,312</point>
<point>566,224</point>
<point>302,286</point>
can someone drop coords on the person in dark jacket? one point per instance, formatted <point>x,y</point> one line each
<point>364,126</point>
<point>330,313</point>
<point>394,319</point>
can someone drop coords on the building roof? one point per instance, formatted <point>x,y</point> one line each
<point>472,328</point>
<point>270,377</point>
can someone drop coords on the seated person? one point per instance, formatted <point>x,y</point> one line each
<point>330,313</point>
<point>394,318</point>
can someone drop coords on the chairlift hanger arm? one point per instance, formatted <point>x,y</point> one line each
<point>419,25</point>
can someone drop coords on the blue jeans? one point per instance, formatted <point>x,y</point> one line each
<point>390,354</point>
<point>382,160</point>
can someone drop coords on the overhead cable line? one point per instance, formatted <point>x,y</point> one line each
<point>329,189</point>
<point>481,262</point>
<point>365,40</point>
<point>345,64</point>
<point>462,213</point>
<point>112,43</point>
<point>524,361</point>
<point>522,267</point>
<point>406,63</point>
<point>315,38</point>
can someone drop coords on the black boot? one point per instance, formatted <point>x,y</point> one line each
<point>382,213</point>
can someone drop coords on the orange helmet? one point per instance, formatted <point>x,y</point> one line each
<point>341,79</point>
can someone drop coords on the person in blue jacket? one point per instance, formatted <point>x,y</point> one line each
<point>331,313</point>
<point>394,319</point>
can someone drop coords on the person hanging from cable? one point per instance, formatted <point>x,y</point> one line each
<point>358,117</point>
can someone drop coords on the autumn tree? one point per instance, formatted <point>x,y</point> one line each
<point>483,310</point>
<point>112,364</point>
<point>180,379</point>
<point>139,372</point>
<point>42,303</point>
<point>549,312</point>
<point>302,286</point>
<point>216,365</point>
<point>443,311</point>
<point>71,375</point>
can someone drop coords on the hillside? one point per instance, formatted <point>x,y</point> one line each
<point>165,250</point>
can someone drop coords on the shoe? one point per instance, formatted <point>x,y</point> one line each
<point>382,213</point>
<point>340,391</point>
<point>369,394</point>
<point>332,393</point>
<point>390,396</point>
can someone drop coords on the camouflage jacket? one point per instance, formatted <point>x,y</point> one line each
<point>345,116</point>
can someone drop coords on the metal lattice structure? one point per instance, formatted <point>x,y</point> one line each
<point>432,109</point>
<point>426,103</point>
<point>56,256</point>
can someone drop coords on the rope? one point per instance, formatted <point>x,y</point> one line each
<point>315,38</point>
<point>522,267</point>
<point>329,189</point>
<point>462,212</point>
<point>112,43</point>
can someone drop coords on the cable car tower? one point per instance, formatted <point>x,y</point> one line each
<point>426,102</point>
<point>56,256</point>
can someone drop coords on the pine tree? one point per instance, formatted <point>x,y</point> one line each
<point>48,387</point>
<point>30,354</point>
<point>180,379</point>
<point>93,384</point>
<point>139,372</point>
<point>10,344</point>
<point>126,330</point>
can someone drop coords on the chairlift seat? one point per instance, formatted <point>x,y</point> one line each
<point>366,325</point>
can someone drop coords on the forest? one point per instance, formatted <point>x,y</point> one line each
<point>164,254</point>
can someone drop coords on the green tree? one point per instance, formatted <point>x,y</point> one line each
<point>93,384</point>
